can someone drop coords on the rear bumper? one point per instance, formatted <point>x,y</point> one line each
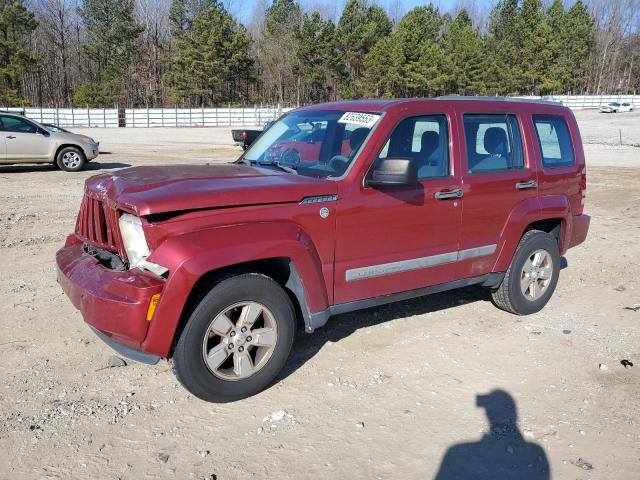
<point>113,303</point>
<point>579,229</point>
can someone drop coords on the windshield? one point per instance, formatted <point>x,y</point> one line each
<point>320,143</point>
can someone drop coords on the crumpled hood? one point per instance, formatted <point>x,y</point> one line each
<point>161,189</point>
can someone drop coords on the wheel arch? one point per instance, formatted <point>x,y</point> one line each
<point>551,214</point>
<point>66,145</point>
<point>281,269</point>
<point>283,252</point>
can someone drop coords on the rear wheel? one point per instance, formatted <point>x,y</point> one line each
<point>70,159</point>
<point>532,276</point>
<point>237,339</point>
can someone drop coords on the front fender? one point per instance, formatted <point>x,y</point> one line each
<point>524,214</point>
<point>190,256</point>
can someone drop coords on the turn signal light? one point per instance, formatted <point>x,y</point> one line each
<point>152,306</point>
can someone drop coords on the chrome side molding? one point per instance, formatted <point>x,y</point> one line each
<point>418,263</point>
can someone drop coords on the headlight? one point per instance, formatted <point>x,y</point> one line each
<point>87,140</point>
<point>135,244</point>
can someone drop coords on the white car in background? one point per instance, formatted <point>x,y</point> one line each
<point>615,107</point>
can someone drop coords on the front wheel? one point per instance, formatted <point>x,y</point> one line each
<point>532,275</point>
<point>237,339</point>
<point>70,159</point>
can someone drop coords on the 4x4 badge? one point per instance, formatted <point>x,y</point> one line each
<point>324,212</point>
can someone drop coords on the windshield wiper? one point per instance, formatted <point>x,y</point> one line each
<point>273,163</point>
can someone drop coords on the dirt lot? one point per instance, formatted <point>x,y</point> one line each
<point>382,393</point>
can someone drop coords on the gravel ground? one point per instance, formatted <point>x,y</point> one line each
<point>382,393</point>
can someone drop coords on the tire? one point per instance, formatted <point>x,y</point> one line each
<point>230,297</point>
<point>71,159</point>
<point>513,295</point>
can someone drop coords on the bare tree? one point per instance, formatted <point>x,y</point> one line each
<point>153,15</point>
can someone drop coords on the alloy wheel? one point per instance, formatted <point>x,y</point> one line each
<point>536,274</point>
<point>71,159</point>
<point>240,340</point>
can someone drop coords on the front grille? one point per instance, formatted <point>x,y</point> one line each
<point>97,224</point>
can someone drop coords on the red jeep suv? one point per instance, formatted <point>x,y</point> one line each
<point>215,265</point>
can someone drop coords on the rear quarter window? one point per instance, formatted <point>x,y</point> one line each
<point>555,141</point>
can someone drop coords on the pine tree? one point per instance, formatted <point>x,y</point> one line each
<point>535,52</point>
<point>16,24</point>
<point>182,13</point>
<point>383,70</point>
<point>395,66</point>
<point>466,51</point>
<point>210,57</point>
<point>578,47</point>
<point>111,48</point>
<point>430,75</point>
<point>504,43</point>
<point>558,75</point>
<point>359,29</point>
<point>315,58</point>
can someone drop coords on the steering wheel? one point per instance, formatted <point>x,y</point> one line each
<point>291,157</point>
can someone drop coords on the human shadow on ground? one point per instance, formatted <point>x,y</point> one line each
<point>341,326</point>
<point>501,454</point>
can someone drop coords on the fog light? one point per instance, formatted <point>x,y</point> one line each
<point>152,306</point>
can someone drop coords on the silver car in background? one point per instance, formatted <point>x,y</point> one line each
<point>23,140</point>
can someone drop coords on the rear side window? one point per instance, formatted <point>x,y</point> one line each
<point>425,141</point>
<point>555,141</point>
<point>493,143</point>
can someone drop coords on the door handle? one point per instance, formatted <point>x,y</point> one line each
<point>11,136</point>
<point>446,194</point>
<point>526,185</point>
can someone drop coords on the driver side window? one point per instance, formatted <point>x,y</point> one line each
<point>425,141</point>
<point>17,125</point>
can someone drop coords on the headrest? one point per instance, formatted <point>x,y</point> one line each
<point>495,141</point>
<point>357,137</point>
<point>429,142</point>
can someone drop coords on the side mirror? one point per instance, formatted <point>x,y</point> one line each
<point>394,172</point>
<point>44,132</point>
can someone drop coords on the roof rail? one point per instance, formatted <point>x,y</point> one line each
<point>498,99</point>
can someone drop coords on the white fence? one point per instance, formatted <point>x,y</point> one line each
<point>581,102</point>
<point>201,117</point>
<point>234,117</point>
<point>152,117</point>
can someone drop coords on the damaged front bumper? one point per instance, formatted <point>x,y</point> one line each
<point>115,303</point>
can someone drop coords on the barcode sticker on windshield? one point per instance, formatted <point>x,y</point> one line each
<point>364,119</point>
